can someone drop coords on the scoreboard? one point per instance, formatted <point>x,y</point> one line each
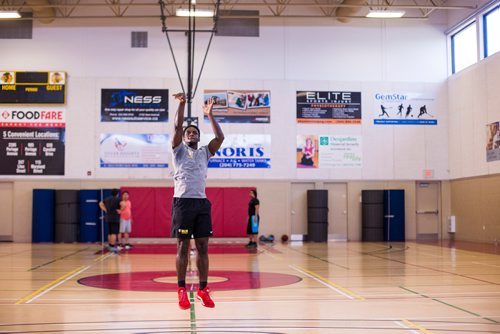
<point>32,88</point>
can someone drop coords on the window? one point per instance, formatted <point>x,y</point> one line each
<point>492,32</point>
<point>464,47</point>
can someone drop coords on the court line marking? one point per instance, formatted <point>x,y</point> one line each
<point>402,325</point>
<point>103,257</point>
<point>52,285</point>
<point>339,289</point>
<point>450,305</point>
<point>59,258</point>
<point>414,325</point>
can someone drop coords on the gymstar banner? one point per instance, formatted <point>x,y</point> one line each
<point>493,141</point>
<point>241,151</point>
<point>397,108</point>
<point>134,105</point>
<point>333,151</point>
<point>240,106</point>
<point>329,107</point>
<point>31,150</point>
<point>134,150</point>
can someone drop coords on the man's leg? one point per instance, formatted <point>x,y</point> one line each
<point>202,264</point>
<point>181,263</point>
<point>202,259</point>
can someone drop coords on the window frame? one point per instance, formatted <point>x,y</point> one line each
<point>485,29</point>
<point>452,41</point>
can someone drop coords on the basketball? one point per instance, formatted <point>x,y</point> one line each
<point>284,238</point>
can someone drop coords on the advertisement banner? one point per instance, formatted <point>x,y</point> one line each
<point>134,105</point>
<point>493,141</point>
<point>31,150</point>
<point>329,107</point>
<point>241,151</point>
<point>404,109</point>
<point>31,117</point>
<point>240,106</point>
<point>134,150</point>
<point>334,151</point>
<point>340,151</point>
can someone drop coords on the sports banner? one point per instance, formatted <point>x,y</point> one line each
<point>240,106</point>
<point>134,150</point>
<point>31,150</point>
<point>493,141</point>
<point>329,151</point>
<point>398,108</point>
<point>329,107</point>
<point>241,151</point>
<point>134,105</point>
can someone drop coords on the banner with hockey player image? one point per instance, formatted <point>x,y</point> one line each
<point>404,109</point>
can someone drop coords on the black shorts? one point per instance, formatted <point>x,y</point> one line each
<point>249,226</point>
<point>191,217</point>
<point>113,227</point>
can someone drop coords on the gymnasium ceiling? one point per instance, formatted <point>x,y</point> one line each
<point>92,12</point>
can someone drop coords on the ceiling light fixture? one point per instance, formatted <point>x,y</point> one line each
<point>9,14</point>
<point>385,14</point>
<point>193,12</point>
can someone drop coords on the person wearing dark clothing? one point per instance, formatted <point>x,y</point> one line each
<point>111,206</point>
<point>253,219</point>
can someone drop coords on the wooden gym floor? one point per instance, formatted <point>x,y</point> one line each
<point>335,287</point>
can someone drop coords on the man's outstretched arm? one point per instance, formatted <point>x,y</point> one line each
<point>215,143</point>
<point>179,120</point>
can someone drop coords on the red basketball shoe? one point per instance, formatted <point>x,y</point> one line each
<point>204,296</point>
<point>184,303</point>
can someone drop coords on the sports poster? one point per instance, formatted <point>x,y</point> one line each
<point>332,107</point>
<point>240,106</point>
<point>241,151</point>
<point>32,88</point>
<point>329,151</point>
<point>397,108</point>
<point>134,150</point>
<point>134,105</point>
<point>493,141</point>
<point>32,141</point>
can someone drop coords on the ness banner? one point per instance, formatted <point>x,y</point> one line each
<point>134,105</point>
<point>241,151</point>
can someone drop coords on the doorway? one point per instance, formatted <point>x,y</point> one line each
<point>6,203</point>
<point>337,213</point>
<point>298,207</point>
<point>428,213</point>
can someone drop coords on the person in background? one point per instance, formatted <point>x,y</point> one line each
<point>111,207</point>
<point>125,221</point>
<point>253,219</point>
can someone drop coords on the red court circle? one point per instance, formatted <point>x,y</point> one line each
<point>148,280</point>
